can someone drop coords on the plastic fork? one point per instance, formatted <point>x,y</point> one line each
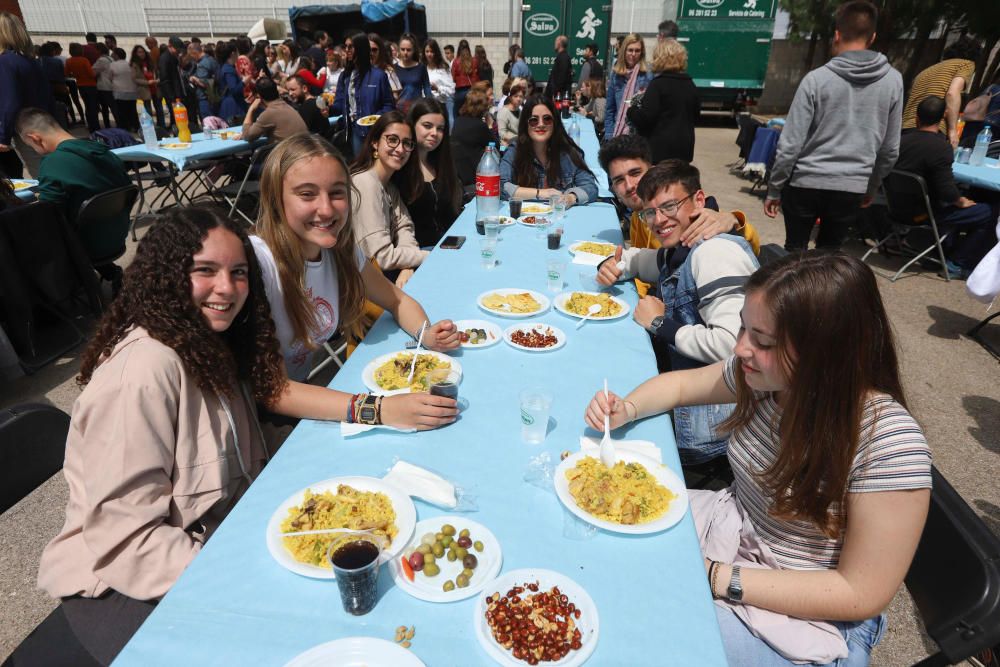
<point>607,446</point>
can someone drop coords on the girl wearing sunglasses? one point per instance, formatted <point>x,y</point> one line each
<point>385,177</point>
<point>544,161</point>
<point>362,89</point>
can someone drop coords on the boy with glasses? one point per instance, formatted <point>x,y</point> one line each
<point>695,317</point>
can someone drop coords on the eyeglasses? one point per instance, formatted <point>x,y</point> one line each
<point>544,120</point>
<point>668,209</point>
<point>392,141</point>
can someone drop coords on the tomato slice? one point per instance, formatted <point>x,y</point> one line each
<point>407,570</point>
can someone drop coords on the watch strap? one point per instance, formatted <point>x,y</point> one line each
<point>735,592</point>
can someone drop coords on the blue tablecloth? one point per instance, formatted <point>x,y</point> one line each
<point>984,176</point>
<point>236,605</point>
<point>591,145</point>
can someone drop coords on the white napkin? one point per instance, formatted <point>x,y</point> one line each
<point>347,430</point>
<point>416,481</point>
<point>591,446</point>
<point>588,259</point>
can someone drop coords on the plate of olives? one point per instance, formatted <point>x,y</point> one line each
<point>449,558</point>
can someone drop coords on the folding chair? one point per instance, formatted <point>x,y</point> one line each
<point>334,349</point>
<point>233,192</point>
<point>955,578</point>
<point>910,209</point>
<point>103,223</point>
<point>973,333</point>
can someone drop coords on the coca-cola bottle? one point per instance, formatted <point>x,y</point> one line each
<point>488,184</point>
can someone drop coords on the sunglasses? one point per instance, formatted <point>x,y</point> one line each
<point>544,120</point>
<point>668,209</point>
<point>392,141</point>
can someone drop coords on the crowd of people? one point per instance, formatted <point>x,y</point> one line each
<point>806,548</point>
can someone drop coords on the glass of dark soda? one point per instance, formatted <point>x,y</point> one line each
<point>444,382</point>
<point>355,561</point>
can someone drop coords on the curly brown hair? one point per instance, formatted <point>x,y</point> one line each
<point>156,295</point>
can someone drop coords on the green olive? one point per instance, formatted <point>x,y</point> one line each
<point>478,546</point>
<point>448,586</point>
<point>460,552</point>
<point>468,572</point>
<point>431,569</point>
<point>437,549</point>
<point>446,541</point>
<point>451,557</point>
<point>438,537</point>
<point>464,533</point>
<point>429,558</point>
<point>448,529</point>
<point>462,581</point>
<point>424,549</point>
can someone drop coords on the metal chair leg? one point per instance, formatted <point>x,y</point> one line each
<point>921,256</point>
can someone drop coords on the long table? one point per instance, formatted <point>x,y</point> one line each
<point>235,605</point>
<point>984,176</point>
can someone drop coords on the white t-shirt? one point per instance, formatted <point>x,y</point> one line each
<point>321,285</point>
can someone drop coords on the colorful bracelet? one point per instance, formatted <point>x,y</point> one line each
<point>350,409</point>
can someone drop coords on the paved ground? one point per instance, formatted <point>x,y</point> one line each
<point>952,386</point>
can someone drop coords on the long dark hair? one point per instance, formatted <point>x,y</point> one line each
<point>156,295</point>
<point>408,179</point>
<point>440,158</point>
<point>559,144</point>
<point>145,61</point>
<point>836,345</point>
<point>384,60</point>
<point>436,50</point>
<point>362,60</point>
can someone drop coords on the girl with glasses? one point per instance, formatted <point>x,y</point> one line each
<point>386,176</point>
<point>363,90</point>
<point>544,161</point>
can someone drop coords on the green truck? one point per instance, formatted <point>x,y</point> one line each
<point>728,41</point>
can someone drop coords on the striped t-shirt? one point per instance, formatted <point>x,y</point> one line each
<point>892,456</point>
<point>935,80</point>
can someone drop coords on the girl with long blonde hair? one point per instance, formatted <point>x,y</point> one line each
<point>317,279</point>
<point>629,77</point>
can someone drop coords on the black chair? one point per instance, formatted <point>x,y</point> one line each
<point>249,186</point>
<point>32,447</point>
<point>955,578</point>
<point>974,334</point>
<point>103,222</point>
<point>911,215</point>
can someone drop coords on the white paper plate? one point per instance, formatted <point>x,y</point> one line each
<point>559,301</point>
<point>429,588</point>
<point>588,623</point>
<point>176,146</point>
<point>504,291</point>
<point>368,373</point>
<point>406,518</point>
<point>356,652</point>
<point>663,475</point>
<point>507,221</point>
<point>534,225</point>
<point>367,121</point>
<point>540,326</point>
<point>573,249</point>
<point>489,327</point>
<point>535,208</point>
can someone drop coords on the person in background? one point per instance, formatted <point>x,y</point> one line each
<point>561,75</point>
<point>470,136</point>
<point>592,102</point>
<point>982,109</point>
<point>591,67</point>
<point>105,88</point>
<point>317,50</point>
<point>111,42</point>
<point>511,59</point>
<point>230,86</point>
<point>438,200</point>
<point>465,72</point>
<point>363,90</point>
<point>841,136</point>
<point>21,80</point>
<point>670,107</point>
<point>926,152</point>
<point>292,60</point>
<point>385,177</point>
<point>382,59</point>
<point>144,75</point>
<point>544,161</point>
<point>947,79</point>
<point>79,68</point>
<point>72,171</point>
<point>90,51</point>
<point>277,121</point>
<point>331,73</point>
<point>125,90</point>
<point>74,92</point>
<point>507,118</point>
<point>247,68</point>
<point>55,74</point>
<point>666,30</point>
<point>306,74</point>
<point>304,102</point>
<point>411,72</point>
<point>484,69</point>
<point>629,77</point>
<point>274,66</point>
<point>520,69</point>
<point>449,55</point>
<point>283,60</point>
<point>154,49</point>
<point>831,489</point>
<point>171,84</point>
<point>439,76</point>
<point>206,70</point>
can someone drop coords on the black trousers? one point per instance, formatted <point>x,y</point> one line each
<point>835,210</point>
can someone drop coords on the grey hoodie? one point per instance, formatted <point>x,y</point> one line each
<point>842,130</point>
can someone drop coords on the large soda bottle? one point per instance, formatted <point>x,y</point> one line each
<point>148,129</point>
<point>983,140</point>
<point>181,120</point>
<point>488,184</point>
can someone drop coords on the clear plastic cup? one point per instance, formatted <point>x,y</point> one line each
<point>355,561</point>
<point>535,404</point>
<point>488,252</point>
<point>558,203</point>
<point>491,226</point>
<point>444,382</point>
<point>555,270</point>
<point>515,207</point>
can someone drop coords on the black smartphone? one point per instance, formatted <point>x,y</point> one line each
<point>452,242</point>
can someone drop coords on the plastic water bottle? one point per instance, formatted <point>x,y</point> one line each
<point>148,129</point>
<point>574,130</point>
<point>181,119</point>
<point>983,140</point>
<point>488,184</point>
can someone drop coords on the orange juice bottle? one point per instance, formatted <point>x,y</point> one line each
<point>961,124</point>
<point>181,119</point>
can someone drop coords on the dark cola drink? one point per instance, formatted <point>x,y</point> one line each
<point>356,567</point>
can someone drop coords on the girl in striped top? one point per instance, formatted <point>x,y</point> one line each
<point>832,475</point>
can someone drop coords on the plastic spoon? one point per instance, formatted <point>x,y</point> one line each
<point>593,310</point>
<point>607,446</point>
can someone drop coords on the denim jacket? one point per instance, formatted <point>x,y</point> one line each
<point>694,426</point>
<point>616,88</point>
<point>573,179</point>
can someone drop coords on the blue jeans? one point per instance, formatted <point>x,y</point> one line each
<point>977,224</point>
<point>695,430</point>
<point>745,650</point>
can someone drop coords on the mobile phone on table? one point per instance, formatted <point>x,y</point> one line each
<point>452,242</point>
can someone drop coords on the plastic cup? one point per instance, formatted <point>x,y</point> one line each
<point>491,226</point>
<point>355,562</point>
<point>481,227</point>
<point>515,207</point>
<point>555,238</point>
<point>962,155</point>
<point>535,404</point>
<point>444,382</point>
<point>558,203</point>
<point>488,252</point>
<point>555,269</point>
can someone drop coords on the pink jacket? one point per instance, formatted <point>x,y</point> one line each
<point>153,465</point>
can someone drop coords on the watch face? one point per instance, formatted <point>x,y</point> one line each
<point>367,414</point>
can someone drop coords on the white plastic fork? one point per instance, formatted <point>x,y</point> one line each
<point>607,446</point>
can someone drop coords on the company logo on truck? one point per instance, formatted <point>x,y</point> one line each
<point>544,24</point>
<point>710,4</point>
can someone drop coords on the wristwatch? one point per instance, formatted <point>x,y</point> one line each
<point>735,592</point>
<point>655,324</point>
<point>367,413</point>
